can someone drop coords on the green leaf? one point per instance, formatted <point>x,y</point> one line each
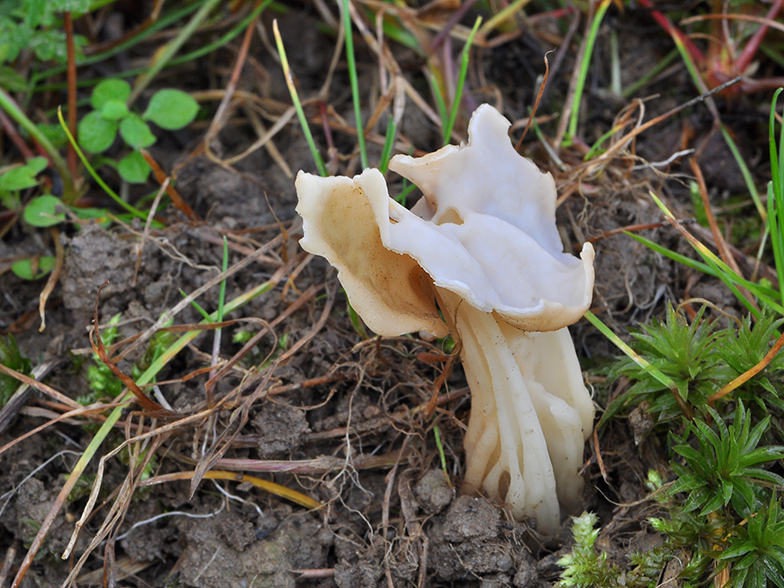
<point>715,502</point>
<point>171,109</point>
<point>136,132</point>
<point>53,132</point>
<point>15,36</point>
<point>96,134</point>
<point>24,176</point>
<point>133,168</point>
<point>34,11</point>
<point>75,6</point>
<point>110,90</point>
<point>114,110</point>
<point>12,358</point>
<point>49,45</point>
<point>11,200</point>
<point>10,80</point>
<point>100,215</point>
<point>27,270</point>
<point>43,211</point>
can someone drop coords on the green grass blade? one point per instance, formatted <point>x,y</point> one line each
<point>440,446</point>
<point>763,294</point>
<point>776,193</point>
<point>303,121</point>
<point>596,148</point>
<point>440,103</point>
<point>111,193</point>
<point>615,64</point>
<point>10,107</point>
<point>744,169</point>
<point>690,66</point>
<point>216,342</point>
<point>776,156</point>
<point>389,141</point>
<point>655,70</point>
<point>197,306</point>
<point>352,75</point>
<point>461,82</point>
<point>401,36</point>
<point>172,47</point>
<point>631,353</point>
<point>584,65</point>
<point>503,15</point>
<point>407,189</point>
<point>222,295</point>
<point>776,244</point>
<point>669,253</point>
<point>722,270</point>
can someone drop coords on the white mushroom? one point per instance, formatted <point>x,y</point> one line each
<point>481,246</point>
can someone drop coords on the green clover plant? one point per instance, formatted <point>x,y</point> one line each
<point>169,109</point>
<point>32,268</point>
<point>14,179</point>
<point>35,25</point>
<point>42,211</point>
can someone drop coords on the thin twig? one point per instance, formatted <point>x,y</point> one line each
<point>172,312</point>
<point>172,192</point>
<point>22,394</point>
<point>748,374</point>
<point>8,563</point>
<point>536,103</point>
<point>644,127</point>
<point>99,348</point>
<point>51,282</point>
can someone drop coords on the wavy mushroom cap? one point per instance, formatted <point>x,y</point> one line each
<point>344,220</point>
<point>494,215</point>
<point>484,230</point>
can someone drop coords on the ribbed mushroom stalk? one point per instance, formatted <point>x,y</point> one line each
<point>481,246</point>
<point>524,443</point>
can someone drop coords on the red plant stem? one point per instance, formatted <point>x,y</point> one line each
<point>72,160</point>
<point>551,14</point>
<point>223,108</point>
<point>745,57</point>
<point>667,25</point>
<point>325,123</point>
<point>15,137</point>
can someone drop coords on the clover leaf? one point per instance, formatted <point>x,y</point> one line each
<point>44,211</point>
<point>171,109</point>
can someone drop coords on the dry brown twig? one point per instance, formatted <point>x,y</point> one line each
<point>171,313</point>
<point>51,282</point>
<point>100,350</point>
